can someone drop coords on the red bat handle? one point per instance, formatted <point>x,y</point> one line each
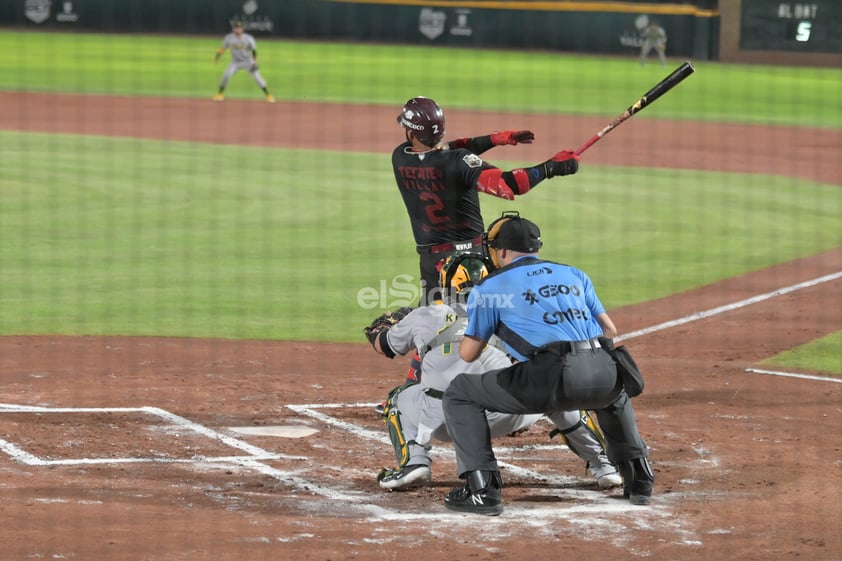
<point>592,140</point>
<point>587,144</point>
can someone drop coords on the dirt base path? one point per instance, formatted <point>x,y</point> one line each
<point>747,465</point>
<point>794,152</point>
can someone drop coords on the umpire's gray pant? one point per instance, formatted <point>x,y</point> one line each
<point>548,383</point>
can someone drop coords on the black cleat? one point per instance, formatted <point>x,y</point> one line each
<point>481,495</point>
<point>638,481</point>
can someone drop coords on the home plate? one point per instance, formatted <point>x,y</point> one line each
<point>286,431</point>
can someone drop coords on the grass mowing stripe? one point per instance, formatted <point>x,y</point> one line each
<point>139,237</point>
<point>540,82</point>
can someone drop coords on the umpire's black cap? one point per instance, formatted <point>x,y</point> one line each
<point>518,234</point>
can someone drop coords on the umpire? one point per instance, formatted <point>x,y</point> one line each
<point>550,317</point>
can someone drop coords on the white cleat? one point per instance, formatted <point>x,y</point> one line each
<point>605,473</point>
<point>405,478</point>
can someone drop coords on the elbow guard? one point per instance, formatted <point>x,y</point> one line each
<point>506,184</point>
<point>521,179</point>
<point>491,182</point>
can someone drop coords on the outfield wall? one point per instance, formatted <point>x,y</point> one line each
<point>588,27</point>
<point>754,31</point>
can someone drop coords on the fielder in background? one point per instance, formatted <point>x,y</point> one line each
<point>550,318</point>
<point>243,57</point>
<point>440,181</point>
<point>413,412</point>
<point>654,37</point>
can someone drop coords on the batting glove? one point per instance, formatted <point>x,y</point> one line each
<point>563,163</point>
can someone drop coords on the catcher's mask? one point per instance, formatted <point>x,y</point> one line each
<point>510,231</point>
<point>424,118</point>
<point>459,273</point>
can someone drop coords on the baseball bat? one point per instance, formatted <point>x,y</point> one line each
<point>645,100</point>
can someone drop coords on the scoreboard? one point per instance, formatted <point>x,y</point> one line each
<point>808,27</point>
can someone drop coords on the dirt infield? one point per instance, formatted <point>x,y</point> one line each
<point>123,448</point>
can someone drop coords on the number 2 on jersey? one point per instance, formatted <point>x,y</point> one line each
<point>434,208</point>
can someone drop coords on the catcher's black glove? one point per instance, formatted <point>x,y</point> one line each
<point>384,322</point>
<point>254,67</point>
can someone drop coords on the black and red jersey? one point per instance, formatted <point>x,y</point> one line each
<point>439,189</point>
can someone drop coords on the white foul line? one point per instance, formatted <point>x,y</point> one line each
<point>729,307</point>
<point>795,375</point>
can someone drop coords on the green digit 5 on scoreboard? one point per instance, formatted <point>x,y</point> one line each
<point>773,25</point>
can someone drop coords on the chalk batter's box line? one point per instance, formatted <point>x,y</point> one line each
<point>355,501</point>
<point>253,452</point>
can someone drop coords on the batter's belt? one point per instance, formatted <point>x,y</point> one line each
<point>448,247</point>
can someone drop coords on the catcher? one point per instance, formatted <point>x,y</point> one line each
<point>413,411</point>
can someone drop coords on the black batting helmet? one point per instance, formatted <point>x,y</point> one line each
<point>424,118</point>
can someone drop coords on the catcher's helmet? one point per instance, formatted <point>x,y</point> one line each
<point>510,231</point>
<point>424,118</point>
<point>459,273</point>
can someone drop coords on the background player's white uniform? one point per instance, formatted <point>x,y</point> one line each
<point>654,37</point>
<point>242,47</point>
<point>419,406</point>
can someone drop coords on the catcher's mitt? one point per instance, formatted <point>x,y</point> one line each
<point>384,322</point>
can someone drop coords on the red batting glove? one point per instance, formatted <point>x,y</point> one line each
<point>565,155</point>
<point>512,137</point>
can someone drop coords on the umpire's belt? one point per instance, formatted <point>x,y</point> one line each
<point>449,246</point>
<point>434,393</point>
<point>564,347</point>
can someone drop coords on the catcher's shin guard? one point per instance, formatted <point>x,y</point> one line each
<point>584,438</point>
<point>393,424</point>
<point>586,441</point>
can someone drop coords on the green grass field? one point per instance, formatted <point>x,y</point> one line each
<point>477,79</point>
<point>121,236</point>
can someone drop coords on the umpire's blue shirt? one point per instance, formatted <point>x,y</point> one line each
<point>531,302</point>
